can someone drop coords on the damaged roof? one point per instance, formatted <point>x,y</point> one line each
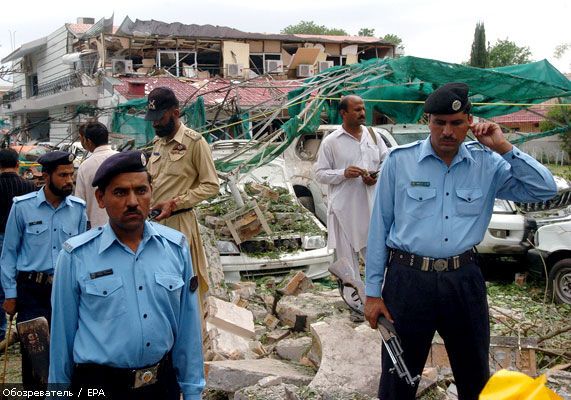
<point>255,92</point>
<point>177,29</point>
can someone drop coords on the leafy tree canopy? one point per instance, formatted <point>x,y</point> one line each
<point>505,52</point>
<point>311,28</point>
<point>366,32</point>
<point>392,38</point>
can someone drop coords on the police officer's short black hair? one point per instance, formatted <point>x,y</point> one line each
<point>8,158</point>
<point>97,133</point>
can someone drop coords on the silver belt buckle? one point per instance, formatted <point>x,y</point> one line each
<point>440,264</point>
<point>145,376</point>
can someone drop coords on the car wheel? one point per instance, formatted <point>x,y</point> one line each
<point>560,281</point>
<point>307,202</point>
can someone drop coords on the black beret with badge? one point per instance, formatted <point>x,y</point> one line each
<point>55,158</point>
<point>127,161</point>
<point>450,98</point>
<point>160,100</point>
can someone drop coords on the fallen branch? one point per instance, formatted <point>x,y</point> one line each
<point>553,352</point>
<point>554,333</point>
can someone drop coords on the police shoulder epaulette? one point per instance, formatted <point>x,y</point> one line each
<point>192,134</point>
<point>31,195</point>
<point>81,239</point>
<point>170,234</point>
<point>405,146</point>
<point>475,145</point>
<point>77,200</point>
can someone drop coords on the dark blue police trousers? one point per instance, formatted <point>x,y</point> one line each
<point>452,303</point>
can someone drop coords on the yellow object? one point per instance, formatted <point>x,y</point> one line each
<point>511,385</point>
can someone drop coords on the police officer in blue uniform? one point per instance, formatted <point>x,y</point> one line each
<point>125,308</point>
<point>433,204</point>
<point>38,224</point>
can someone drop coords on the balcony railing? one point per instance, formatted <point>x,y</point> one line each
<point>59,85</point>
<point>11,96</point>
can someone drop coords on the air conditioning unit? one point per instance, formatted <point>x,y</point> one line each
<point>234,70</point>
<point>323,65</point>
<point>305,70</point>
<point>274,67</point>
<point>122,67</point>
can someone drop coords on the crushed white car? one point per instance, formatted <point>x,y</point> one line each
<point>301,247</point>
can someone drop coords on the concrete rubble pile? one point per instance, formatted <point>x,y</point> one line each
<point>294,340</point>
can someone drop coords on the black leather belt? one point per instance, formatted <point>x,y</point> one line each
<point>42,278</point>
<point>131,378</point>
<point>431,264</point>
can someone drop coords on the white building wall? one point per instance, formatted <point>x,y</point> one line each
<point>50,65</point>
<point>59,130</point>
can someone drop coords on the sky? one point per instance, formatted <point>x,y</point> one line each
<point>438,29</point>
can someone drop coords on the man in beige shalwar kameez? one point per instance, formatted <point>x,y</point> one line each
<point>183,175</point>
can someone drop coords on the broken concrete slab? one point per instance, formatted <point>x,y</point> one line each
<point>343,369</point>
<point>427,380</point>
<point>293,349</point>
<point>277,335</point>
<point>246,290</point>
<point>226,344</point>
<point>295,284</point>
<point>310,306</point>
<point>231,318</point>
<point>270,381</point>
<point>271,321</point>
<point>233,375</point>
<point>274,392</point>
<point>215,272</point>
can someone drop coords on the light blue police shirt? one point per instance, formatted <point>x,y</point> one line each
<point>425,207</point>
<point>35,232</point>
<point>124,309</point>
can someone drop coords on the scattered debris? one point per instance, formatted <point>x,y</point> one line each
<point>233,375</point>
<point>293,349</point>
<point>295,285</point>
<point>311,306</point>
<point>342,369</point>
<point>231,318</point>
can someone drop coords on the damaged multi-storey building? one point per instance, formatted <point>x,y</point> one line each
<point>100,64</point>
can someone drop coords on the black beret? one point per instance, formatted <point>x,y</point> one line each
<point>450,98</point>
<point>127,161</point>
<point>160,99</point>
<point>55,158</point>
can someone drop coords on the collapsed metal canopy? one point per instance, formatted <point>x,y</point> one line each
<point>26,49</point>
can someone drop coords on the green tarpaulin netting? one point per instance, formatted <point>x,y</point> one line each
<point>394,87</point>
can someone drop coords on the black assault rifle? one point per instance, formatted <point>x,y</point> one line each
<point>343,272</point>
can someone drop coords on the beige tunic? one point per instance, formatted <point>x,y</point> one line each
<point>182,169</point>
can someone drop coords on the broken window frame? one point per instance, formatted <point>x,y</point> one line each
<point>178,67</point>
<point>255,69</point>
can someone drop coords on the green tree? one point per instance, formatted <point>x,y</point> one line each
<point>505,52</point>
<point>479,54</point>
<point>561,49</point>
<point>366,32</point>
<point>311,28</point>
<point>392,38</point>
<point>561,114</point>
